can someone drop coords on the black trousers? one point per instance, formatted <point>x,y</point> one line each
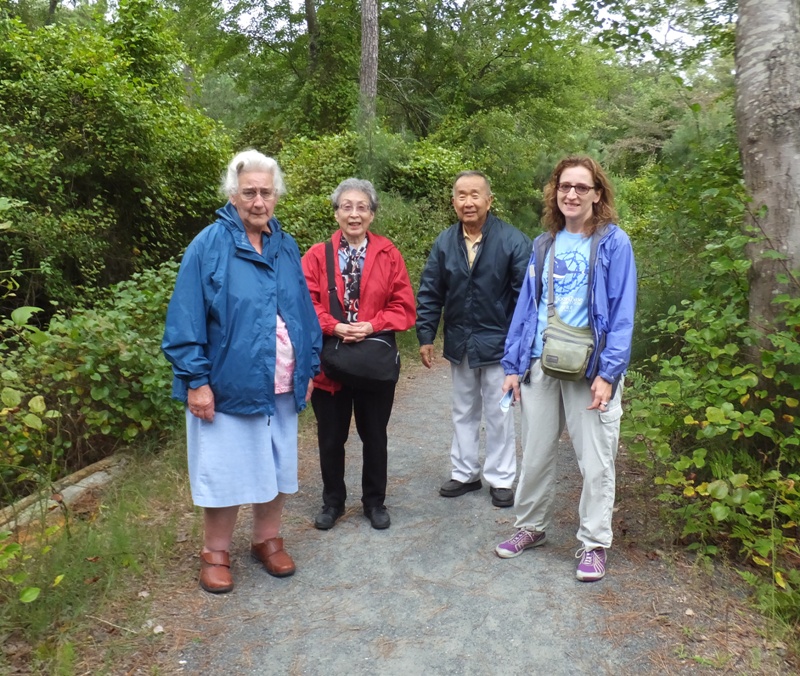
<point>372,410</point>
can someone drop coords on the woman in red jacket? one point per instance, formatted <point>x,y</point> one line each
<point>376,295</point>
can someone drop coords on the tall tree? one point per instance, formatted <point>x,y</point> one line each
<point>768,118</point>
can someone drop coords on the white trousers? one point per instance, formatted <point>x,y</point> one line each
<point>475,391</point>
<point>546,405</point>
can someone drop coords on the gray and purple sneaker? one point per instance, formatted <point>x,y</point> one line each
<point>524,539</point>
<point>592,564</point>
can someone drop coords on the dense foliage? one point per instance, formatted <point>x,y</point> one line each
<point>89,383</point>
<point>111,166</point>
<point>713,399</point>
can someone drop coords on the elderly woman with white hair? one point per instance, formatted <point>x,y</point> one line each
<point>244,341</point>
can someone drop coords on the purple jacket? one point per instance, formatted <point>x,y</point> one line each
<point>612,303</point>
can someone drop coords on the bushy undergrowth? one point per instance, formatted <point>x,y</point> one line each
<point>413,180</point>
<point>715,420</point>
<point>91,381</point>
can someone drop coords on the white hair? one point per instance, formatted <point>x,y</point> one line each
<point>251,160</point>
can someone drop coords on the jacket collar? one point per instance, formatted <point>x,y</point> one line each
<point>487,226</point>
<point>229,217</point>
<point>376,242</point>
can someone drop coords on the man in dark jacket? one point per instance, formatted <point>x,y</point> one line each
<point>474,272</point>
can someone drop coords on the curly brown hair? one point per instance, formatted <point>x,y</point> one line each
<point>603,211</point>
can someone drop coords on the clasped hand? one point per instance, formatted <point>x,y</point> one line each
<point>353,333</point>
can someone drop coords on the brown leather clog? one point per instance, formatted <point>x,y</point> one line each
<point>215,572</point>
<point>274,557</point>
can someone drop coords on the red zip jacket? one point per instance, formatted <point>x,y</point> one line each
<point>386,298</point>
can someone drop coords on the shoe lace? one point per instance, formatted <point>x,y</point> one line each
<point>586,556</point>
<point>521,535</point>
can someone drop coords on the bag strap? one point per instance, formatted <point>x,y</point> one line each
<point>333,297</point>
<point>551,303</point>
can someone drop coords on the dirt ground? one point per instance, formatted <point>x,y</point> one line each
<point>429,596</point>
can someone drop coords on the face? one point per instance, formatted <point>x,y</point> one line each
<point>354,215</point>
<point>577,209</point>
<point>471,200</point>
<point>255,200</point>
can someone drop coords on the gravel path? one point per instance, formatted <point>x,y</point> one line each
<point>429,596</point>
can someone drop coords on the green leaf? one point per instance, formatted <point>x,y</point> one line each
<point>719,511</point>
<point>740,496</point>
<point>32,420</point>
<point>11,398</point>
<point>100,392</point>
<point>716,416</point>
<point>718,489</point>
<point>29,594</point>
<point>37,405</point>
<point>739,480</point>
<point>22,315</point>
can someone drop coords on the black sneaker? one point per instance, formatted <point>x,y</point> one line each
<point>378,517</point>
<point>327,517</point>
<point>454,488</point>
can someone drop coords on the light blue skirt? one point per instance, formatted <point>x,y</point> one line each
<point>243,459</point>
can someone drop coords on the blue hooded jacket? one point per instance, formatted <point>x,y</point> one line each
<point>612,303</point>
<point>221,320</point>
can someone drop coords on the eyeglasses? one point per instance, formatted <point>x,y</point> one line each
<point>360,209</point>
<point>580,189</point>
<point>249,194</point>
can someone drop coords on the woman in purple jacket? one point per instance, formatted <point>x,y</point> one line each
<point>594,286</point>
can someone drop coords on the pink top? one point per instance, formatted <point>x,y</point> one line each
<point>284,359</point>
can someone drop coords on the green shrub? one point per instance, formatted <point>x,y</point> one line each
<point>412,227</point>
<point>715,421</point>
<point>313,168</point>
<point>426,173</point>
<point>92,381</point>
<point>414,182</point>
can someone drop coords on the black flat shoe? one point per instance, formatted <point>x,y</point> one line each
<point>454,488</point>
<point>326,519</point>
<point>502,497</point>
<point>378,517</point>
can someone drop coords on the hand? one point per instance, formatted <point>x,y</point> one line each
<point>310,388</point>
<point>201,403</point>
<point>352,333</point>
<point>361,330</point>
<point>345,332</point>
<point>601,395</point>
<point>426,354</point>
<point>511,382</point>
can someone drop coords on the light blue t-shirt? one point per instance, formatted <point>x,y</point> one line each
<point>571,284</point>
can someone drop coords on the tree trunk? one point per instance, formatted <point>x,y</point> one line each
<point>768,121</point>
<point>313,36</point>
<point>369,61</point>
<point>51,12</point>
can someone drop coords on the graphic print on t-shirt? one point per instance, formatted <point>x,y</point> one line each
<point>570,271</point>
<point>570,277</point>
<point>570,283</point>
